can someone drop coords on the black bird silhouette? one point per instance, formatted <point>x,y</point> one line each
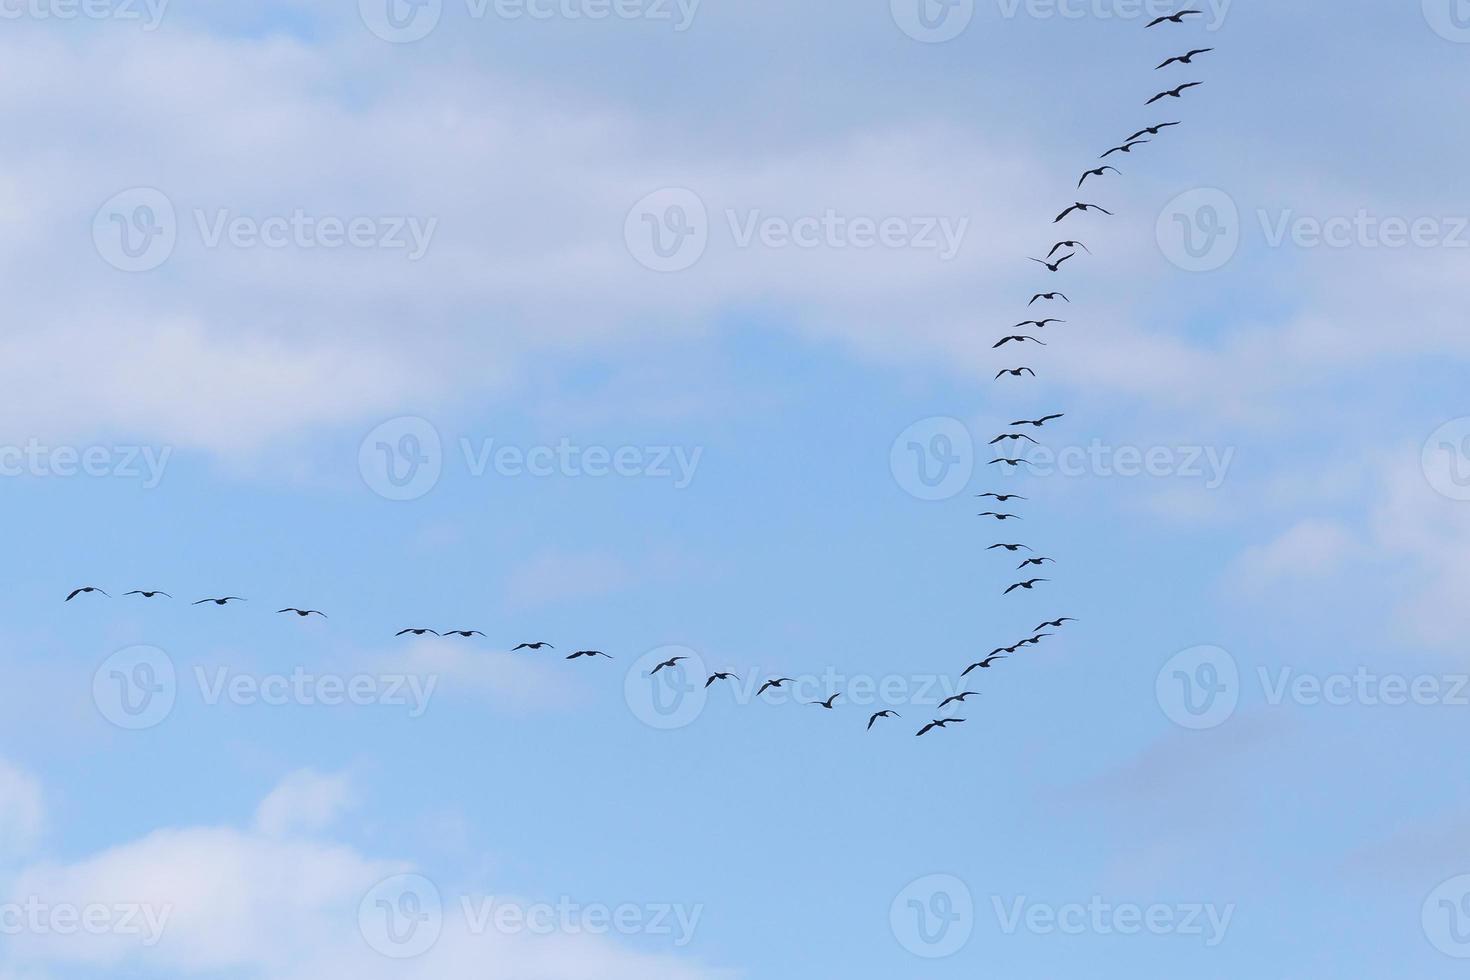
<point>1098,172</point>
<point>1038,562</point>
<point>1033,640</point>
<point>465,633</point>
<point>1173,93</point>
<point>1009,547</point>
<point>982,664</point>
<point>587,653</point>
<point>885,713</point>
<point>1011,435</point>
<point>1005,649</point>
<point>416,632</point>
<point>85,588</point>
<point>1015,372</point>
<point>775,683</point>
<point>1151,131</point>
<point>957,698</point>
<point>221,601</point>
<point>1028,585</point>
<point>1010,462</point>
<point>670,663</point>
<point>939,723</point>
<point>538,645</point>
<point>1127,147</point>
<point>1016,339</point>
<point>1057,623</point>
<point>1039,324</point>
<point>1041,421</point>
<point>1000,517</point>
<point>827,703</point>
<point>1052,295</point>
<point>1079,206</point>
<point>303,612</point>
<point>148,595</point>
<point>1054,266</point>
<point>1185,59</point>
<point>1175,18</point>
<point>1069,244</point>
<point>1002,497</point>
<point>720,676</point>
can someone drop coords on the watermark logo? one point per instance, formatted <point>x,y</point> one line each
<point>1450,19</point>
<point>1446,459</point>
<point>148,12</point>
<point>401,21</point>
<point>666,687</point>
<point>136,230</point>
<point>1199,231</point>
<point>1199,688</point>
<point>402,459</point>
<point>1100,917</point>
<point>1446,918</point>
<point>401,917</point>
<point>933,917</point>
<point>668,230</point>
<point>934,458</point>
<point>136,687</point>
<point>933,21</point>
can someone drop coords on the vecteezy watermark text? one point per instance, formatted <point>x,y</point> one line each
<point>36,916</point>
<point>37,459</point>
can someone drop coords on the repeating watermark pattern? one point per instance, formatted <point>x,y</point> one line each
<point>1446,918</point>
<point>1450,19</point>
<point>670,230</point>
<point>146,464</point>
<point>148,14</point>
<point>933,917</point>
<point>404,458</point>
<point>35,916</point>
<point>407,21</point>
<point>137,230</point>
<point>667,687</point>
<point>1199,688</point>
<point>138,687</point>
<point>1199,231</point>
<point>1207,464</point>
<point>1099,917</point>
<point>403,917</point>
<point>1446,459</point>
<point>934,458</point>
<point>933,21</point>
<point>1212,13</point>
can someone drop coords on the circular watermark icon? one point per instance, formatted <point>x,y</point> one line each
<point>401,459</point>
<point>136,230</point>
<point>1199,688</point>
<point>402,916</point>
<point>1446,459</point>
<point>136,687</point>
<point>934,458</point>
<point>666,688</point>
<point>933,21</point>
<point>933,917</point>
<point>1446,918</point>
<point>668,230</point>
<point>1450,19</point>
<point>401,21</point>
<point>1199,231</point>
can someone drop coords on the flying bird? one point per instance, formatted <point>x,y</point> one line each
<point>464,633</point>
<point>1127,147</point>
<point>1014,372</point>
<point>1054,266</point>
<point>1005,650</point>
<point>1073,245</point>
<point>671,663</point>
<point>1016,339</point>
<point>148,595</point>
<point>1173,93</point>
<point>720,676</point>
<point>1057,623</point>
<point>1009,547</point>
<point>1033,640</point>
<point>1185,59</point>
<point>1151,131</point>
<point>1035,561</point>
<point>775,683</point>
<point>587,653</point>
<point>1000,517</point>
<point>1028,585</point>
<point>1079,206</point>
<point>960,698</point>
<point>882,714</point>
<point>827,703</point>
<point>1010,462</point>
<point>1098,172</point>
<point>939,723</point>
<point>303,613</point>
<point>1002,497</point>
<point>221,601</point>
<point>983,664</point>
<point>1051,295</point>
<point>538,645</point>
<point>85,588</point>
<point>1041,421</point>
<point>1010,435</point>
<point>1174,18</point>
<point>416,632</point>
<point>1039,324</point>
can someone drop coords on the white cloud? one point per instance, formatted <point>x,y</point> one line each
<point>305,801</point>
<point>1308,549</point>
<point>22,812</point>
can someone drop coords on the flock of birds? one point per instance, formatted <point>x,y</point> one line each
<point>1012,439</point>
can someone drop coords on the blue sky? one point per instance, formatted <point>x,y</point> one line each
<point>249,248</point>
